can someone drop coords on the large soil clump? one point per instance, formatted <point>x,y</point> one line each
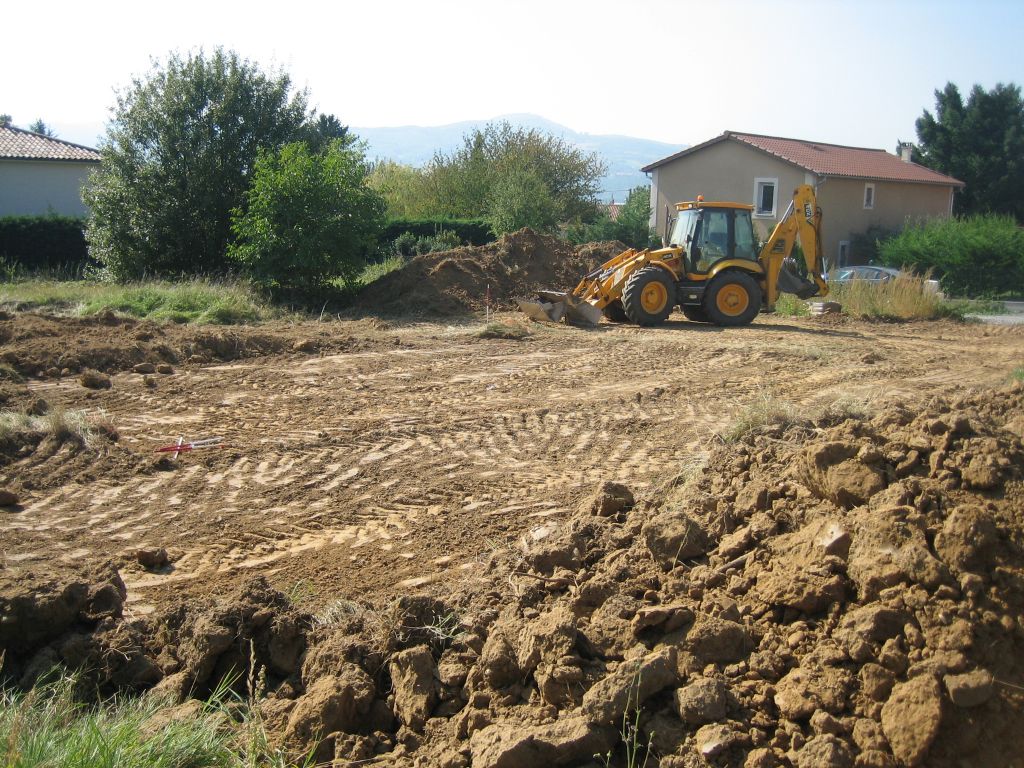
<point>460,280</point>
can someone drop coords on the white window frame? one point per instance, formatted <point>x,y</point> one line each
<point>757,198</point>
<point>844,250</point>
<point>869,206</point>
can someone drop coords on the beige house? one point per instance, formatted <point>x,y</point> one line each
<point>857,188</point>
<point>41,175</point>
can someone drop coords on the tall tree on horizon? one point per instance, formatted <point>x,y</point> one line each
<point>980,142</point>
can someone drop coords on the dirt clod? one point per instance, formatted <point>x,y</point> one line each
<point>152,558</point>
<point>95,380</point>
<point>911,718</point>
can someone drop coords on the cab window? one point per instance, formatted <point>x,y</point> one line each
<point>745,246</point>
<point>713,239</point>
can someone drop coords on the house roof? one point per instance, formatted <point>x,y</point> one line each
<point>19,144</point>
<point>828,159</point>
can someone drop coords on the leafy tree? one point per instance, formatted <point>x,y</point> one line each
<point>320,131</point>
<point>42,128</point>
<point>520,198</point>
<point>310,217</point>
<point>178,158</point>
<point>404,188</point>
<point>981,143</point>
<point>5,120</point>
<point>634,221</point>
<point>501,162</point>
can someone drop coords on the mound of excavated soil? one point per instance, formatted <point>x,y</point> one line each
<point>457,281</point>
<point>840,593</point>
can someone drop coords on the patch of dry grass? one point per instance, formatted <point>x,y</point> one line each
<point>768,409</point>
<point>58,423</point>
<point>905,297</point>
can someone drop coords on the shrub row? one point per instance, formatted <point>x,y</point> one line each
<point>472,231</point>
<point>974,256</point>
<point>43,242</point>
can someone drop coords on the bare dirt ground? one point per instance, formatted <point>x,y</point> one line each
<point>391,458</point>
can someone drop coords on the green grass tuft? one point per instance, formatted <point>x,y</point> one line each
<point>503,331</point>
<point>1018,373</point>
<point>379,269</point>
<point>187,301</point>
<point>789,305</point>
<point>49,726</point>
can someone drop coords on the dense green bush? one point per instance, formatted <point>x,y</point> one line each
<point>472,231</point>
<point>408,245</point>
<point>43,242</point>
<point>978,255</point>
<point>310,218</point>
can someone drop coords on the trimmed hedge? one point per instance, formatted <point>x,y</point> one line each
<point>974,256</point>
<point>44,242</point>
<point>472,231</point>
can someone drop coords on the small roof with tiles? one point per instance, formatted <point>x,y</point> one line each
<point>19,144</point>
<point>829,159</point>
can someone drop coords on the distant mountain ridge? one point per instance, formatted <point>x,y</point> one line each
<point>624,155</point>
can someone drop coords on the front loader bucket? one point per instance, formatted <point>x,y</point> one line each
<point>554,305</point>
<point>582,313</point>
<point>551,311</point>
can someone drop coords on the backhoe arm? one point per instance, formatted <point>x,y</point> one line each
<point>802,219</point>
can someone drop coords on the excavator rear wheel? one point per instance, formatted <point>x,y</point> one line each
<point>649,296</point>
<point>733,298</point>
<point>615,312</point>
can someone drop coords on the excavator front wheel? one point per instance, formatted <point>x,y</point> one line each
<point>733,298</point>
<point>649,296</point>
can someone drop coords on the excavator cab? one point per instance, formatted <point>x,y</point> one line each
<point>710,232</point>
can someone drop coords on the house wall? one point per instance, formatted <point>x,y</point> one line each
<point>844,215</point>
<point>38,187</point>
<point>726,172</point>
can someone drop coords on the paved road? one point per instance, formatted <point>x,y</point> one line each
<point>1014,315</point>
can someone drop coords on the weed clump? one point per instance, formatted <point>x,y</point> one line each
<point>503,331</point>
<point>905,297</point>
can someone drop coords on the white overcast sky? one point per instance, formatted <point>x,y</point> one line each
<point>855,73</point>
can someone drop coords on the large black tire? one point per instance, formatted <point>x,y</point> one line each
<point>733,298</point>
<point>649,296</point>
<point>696,314</point>
<point>615,312</point>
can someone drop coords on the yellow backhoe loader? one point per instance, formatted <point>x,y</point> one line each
<point>710,269</point>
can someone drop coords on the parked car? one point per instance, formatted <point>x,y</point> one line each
<point>875,275</point>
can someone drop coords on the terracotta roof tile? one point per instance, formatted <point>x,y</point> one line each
<point>18,144</point>
<point>830,159</point>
